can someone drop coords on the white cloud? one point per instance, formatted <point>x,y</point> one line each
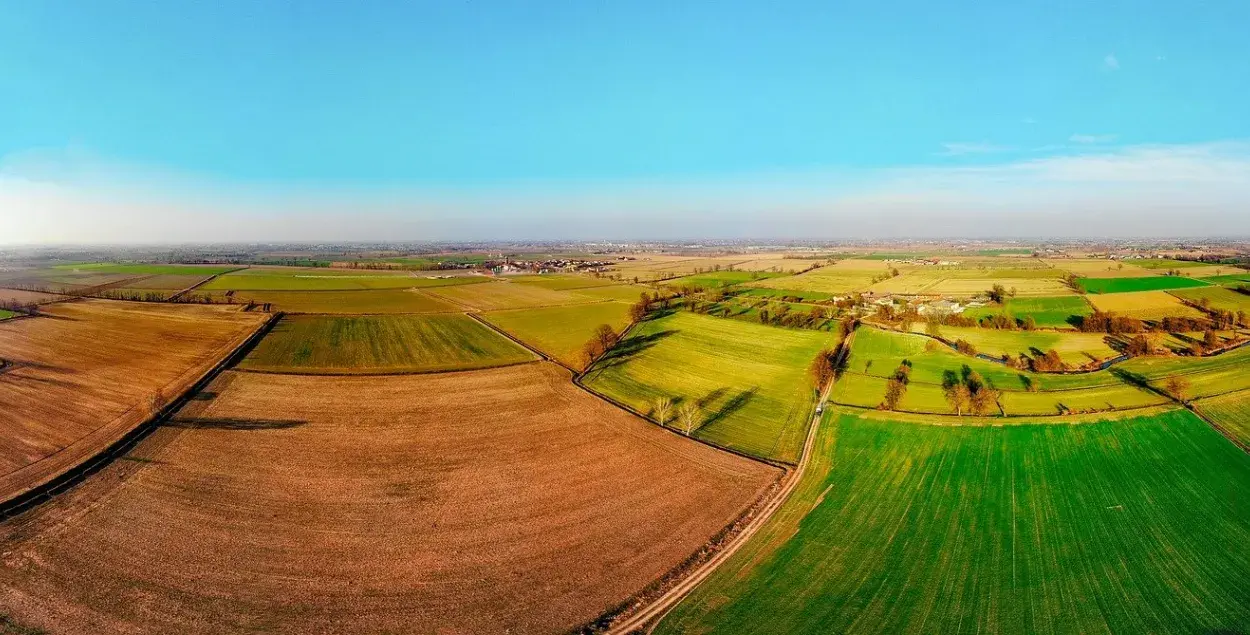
<point>960,149</point>
<point>1092,138</point>
<point>1103,191</point>
<point>1110,63</point>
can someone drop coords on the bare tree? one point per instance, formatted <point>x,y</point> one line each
<point>663,408</point>
<point>688,413</point>
<point>156,401</point>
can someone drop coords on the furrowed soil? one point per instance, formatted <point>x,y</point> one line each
<point>81,377</point>
<point>504,500</point>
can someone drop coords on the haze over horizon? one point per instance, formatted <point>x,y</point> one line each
<point>236,121</point>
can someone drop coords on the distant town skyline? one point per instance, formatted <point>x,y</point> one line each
<point>239,121</point>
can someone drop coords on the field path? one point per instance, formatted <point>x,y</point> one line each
<point>648,617</point>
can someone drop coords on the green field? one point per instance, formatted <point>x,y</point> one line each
<point>563,282</point>
<point>1230,280</point>
<point>1046,312</point>
<point>1074,348</point>
<point>495,296</point>
<point>1145,283</point>
<point>825,280</point>
<point>624,292</point>
<point>144,269</point>
<point>750,380</point>
<point>1230,412</point>
<point>6,314</point>
<point>1127,526</point>
<point>345,302</point>
<point>805,296</point>
<point>1219,297</point>
<point>1208,376</point>
<point>719,279</point>
<point>323,279</point>
<point>388,344</point>
<point>1165,263</point>
<point>561,331</point>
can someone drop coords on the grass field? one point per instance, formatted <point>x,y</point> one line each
<point>805,296</point>
<point>165,282</point>
<point>145,269</point>
<point>382,344</point>
<point>826,280</point>
<point>563,282</point>
<point>561,331</point>
<point>1046,312</point>
<point>1146,283</point>
<point>1230,412</point>
<point>1219,297</point>
<point>347,302</point>
<point>1230,279</point>
<point>718,279</point>
<point>1145,305</point>
<point>1166,263</point>
<point>623,292</point>
<point>6,314</point>
<point>779,265</point>
<point>1208,376</point>
<point>503,500</point>
<point>322,279</point>
<point>749,380</point>
<point>1074,348</point>
<point>494,296</point>
<point>1117,526</point>
<point>968,287</point>
<point>88,373</point>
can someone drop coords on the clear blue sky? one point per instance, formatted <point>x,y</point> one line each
<point>477,93</point>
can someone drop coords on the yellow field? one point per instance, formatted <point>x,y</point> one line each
<point>785,265</point>
<point>505,295</point>
<point>822,280</point>
<point>1023,286</point>
<point>1146,305</point>
<point>1100,268</point>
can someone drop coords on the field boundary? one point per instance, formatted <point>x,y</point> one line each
<point>645,619</point>
<point>202,283</point>
<point>1193,407</point>
<point>34,496</point>
<point>392,373</point>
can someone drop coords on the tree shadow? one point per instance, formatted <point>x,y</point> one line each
<point>734,404</point>
<point>1026,383</point>
<point>630,348</point>
<point>233,423</point>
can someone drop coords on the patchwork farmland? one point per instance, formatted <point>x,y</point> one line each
<point>775,442</point>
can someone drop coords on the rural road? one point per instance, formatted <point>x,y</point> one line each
<point>648,617</point>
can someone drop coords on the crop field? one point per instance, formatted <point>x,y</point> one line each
<point>165,282</point>
<point>1126,285</point>
<point>1099,268</point>
<point>623,292</point>
<point>1231,412</point>
<point>1208,376</point>
<point>1233,279</point>
<point>1047,312</point>
<point>1219,297</point>
<point>346,302</point>
<point>464,503</point>
<point>322,279</point>
<point>779,265</point>
<point>828,280</point>
<point>1166,263</point>
<point>1076,349</point>
<point>6,314</point>
<point>24,297</point>
<point>506,295</point>
<point>1146,305</point>
<point>560,331</point>
<point>967,287</point>
<point>84,376</point>
<point>722,278</point>
<point>749,380</point>
<point>563,282</point>
<point>908,528</point>
<point>759,292</point>
<point>134,269</point>
<point>382,344</point>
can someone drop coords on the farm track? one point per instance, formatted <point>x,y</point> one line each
<point>648,617</point>
<point>67,480</point>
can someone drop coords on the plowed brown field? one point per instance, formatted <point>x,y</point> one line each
<point>492,501</point>
<point>80,377</point>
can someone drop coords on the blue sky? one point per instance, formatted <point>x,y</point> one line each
<point>441,116</point>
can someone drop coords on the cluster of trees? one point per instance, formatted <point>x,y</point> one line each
<point>638,311</point>
<point>965,347</point>
<point>968,391</point>
<point>1110,323</point>
<point>164,296</point>
<point>782,315</point>
<point>29,308</point>
<point>896,387</point>
<point>1243,289</point>
<point>823,368</point>
<point>998,294</point>
<point>892,273</point>
<point>1004,322</point>
<point>1178,388</point>
<point>601,342</point>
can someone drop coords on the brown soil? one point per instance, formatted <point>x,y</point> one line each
<point>81,377</point>
<point>24,297</point>
<point>503,500</point>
